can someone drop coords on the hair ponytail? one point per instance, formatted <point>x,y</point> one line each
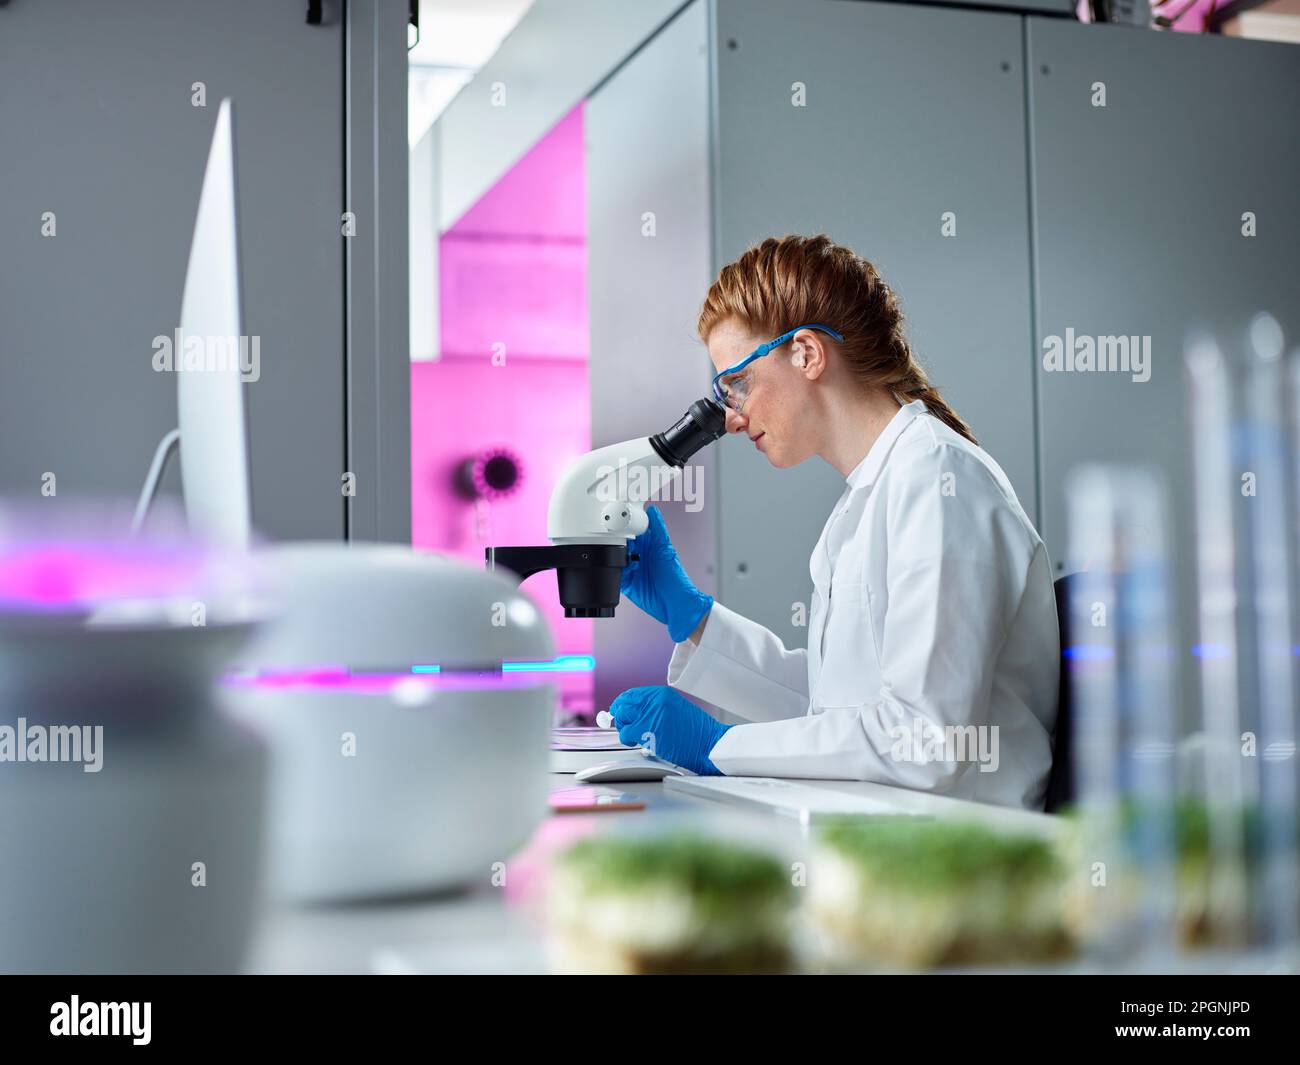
<point>918,387</point>
<point>787,282</point>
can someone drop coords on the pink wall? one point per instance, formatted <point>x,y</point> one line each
<point>513,369</point>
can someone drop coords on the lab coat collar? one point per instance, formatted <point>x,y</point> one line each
<point>865,472</point>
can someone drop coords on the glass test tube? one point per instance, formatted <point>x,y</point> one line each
<point>1121,661</point>
<point>1271,518</point>
<point>1212,391</point>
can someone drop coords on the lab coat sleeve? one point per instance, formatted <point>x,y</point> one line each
<point>743,668</point>
<point>944,624</point>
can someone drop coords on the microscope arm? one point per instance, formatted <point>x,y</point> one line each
<point>598,505</point>
<point>600,497</point>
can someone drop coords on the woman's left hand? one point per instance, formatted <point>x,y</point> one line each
<point>668,725</point>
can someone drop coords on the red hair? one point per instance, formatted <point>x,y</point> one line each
<point>787,282</point>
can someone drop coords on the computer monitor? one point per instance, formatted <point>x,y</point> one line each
<point>211,357</point>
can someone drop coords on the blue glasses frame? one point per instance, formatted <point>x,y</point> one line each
<point>721,396</point>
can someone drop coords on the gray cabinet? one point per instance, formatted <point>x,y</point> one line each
<point>1123,220</point>
<point>98,127</point>
<point>1138,211</point>
<point>910,112</point>
<point>1138,220</point>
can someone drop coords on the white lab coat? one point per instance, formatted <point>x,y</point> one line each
<point>932,611</point>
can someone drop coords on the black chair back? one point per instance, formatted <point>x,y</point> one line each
<point>1060,781</point>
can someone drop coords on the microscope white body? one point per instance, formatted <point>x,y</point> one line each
<point>600,497</point>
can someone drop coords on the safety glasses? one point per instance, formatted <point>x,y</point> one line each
<point>734,391</point>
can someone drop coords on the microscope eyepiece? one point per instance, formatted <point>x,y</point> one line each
<point>698,427</point>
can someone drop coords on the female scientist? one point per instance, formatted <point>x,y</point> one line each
<point>933,653</point>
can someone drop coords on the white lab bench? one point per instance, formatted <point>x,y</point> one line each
<point>474,931</point>
<point>486,930</point>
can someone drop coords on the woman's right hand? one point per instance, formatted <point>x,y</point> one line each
<point>658,584</point>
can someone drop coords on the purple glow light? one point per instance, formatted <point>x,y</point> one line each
<point>340,679</point>
<point>62,575</point>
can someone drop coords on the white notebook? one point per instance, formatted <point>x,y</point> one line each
<point>575,749</point>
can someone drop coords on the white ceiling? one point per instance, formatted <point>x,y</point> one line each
<point>456,38</point>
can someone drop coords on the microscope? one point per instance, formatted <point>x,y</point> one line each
<point>598,504</point>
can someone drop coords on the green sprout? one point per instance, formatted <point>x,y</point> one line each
<point>938,854</point>
<point>711,871</point>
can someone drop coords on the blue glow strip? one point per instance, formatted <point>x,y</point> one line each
<point>562,664</point>
<point>1099,653</point>
<point>1089,652</point>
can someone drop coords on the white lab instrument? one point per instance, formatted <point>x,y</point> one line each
<point>387,781</point>
<point>102,665</point>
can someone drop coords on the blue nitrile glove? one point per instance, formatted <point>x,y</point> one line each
<point>658,584</point>
<point>669,726</point>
